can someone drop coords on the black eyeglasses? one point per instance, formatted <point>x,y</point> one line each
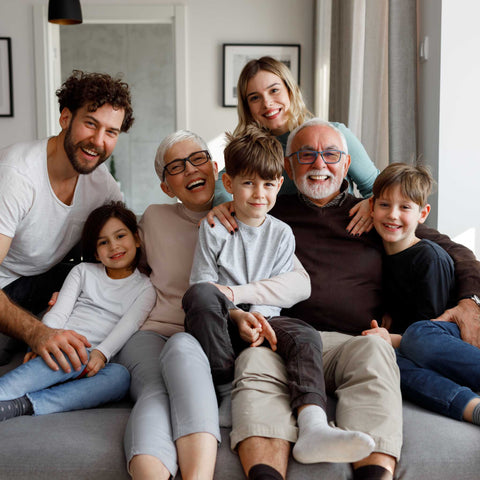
<point>307,157</point>
<point>180,164</point>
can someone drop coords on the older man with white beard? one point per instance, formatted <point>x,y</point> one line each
<point>345,272</point>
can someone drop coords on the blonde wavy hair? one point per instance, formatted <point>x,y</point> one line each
<point>297,113</point>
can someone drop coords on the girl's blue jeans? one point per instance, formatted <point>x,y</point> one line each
<point>438,370</point>
<point>53,391</point>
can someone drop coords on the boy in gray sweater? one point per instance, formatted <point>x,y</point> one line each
<point>263,247</point>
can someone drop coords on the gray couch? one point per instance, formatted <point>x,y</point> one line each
<point>87,444</point>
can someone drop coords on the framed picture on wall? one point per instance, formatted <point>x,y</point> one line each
<point>6,87</point>
<point>236,55</point>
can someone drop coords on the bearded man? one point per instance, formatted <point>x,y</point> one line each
<point>346,277</point>
<point>47,189</point>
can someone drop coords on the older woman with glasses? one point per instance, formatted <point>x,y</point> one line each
<point>174,422</point>
<point>268,95</point>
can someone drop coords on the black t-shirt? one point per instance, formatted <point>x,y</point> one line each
<point>419,284</point>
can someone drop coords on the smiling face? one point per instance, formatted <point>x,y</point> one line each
<point>117,248</point>
<point>90,137</point>
<point>253,197</point>
<point>269,101</point>
<point>395,218</point>
<point>195,186</point>
<point>320,182</point>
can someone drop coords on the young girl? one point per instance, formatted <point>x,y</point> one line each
<point>107,302</point>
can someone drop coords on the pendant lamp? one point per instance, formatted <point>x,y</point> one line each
<point>64,12</point>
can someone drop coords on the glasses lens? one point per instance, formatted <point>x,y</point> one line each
<point>307,156</point>
<point>331,156</point>
<point>198,158</point>
<point>175,167</point>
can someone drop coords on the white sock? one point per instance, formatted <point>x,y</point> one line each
<point>319,442</point>
<point>224,393</point>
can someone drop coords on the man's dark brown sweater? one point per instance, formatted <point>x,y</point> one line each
<point>346,270</point>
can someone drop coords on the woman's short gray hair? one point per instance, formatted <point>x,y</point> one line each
<point>169,141</point>
<point>310,123</point>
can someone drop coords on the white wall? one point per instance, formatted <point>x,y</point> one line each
<point>459,159</point>
<point>16,21</point>
<point>448,114</point>
<point>213,22</point>
<point>209,24</point>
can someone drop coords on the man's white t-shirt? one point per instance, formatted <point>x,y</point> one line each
<point>43,229</point>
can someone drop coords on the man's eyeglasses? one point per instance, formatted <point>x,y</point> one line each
<point>307,157</point>
<point>180,164</point>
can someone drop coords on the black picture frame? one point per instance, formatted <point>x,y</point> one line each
<point>6,85</point>
<point>236,55</point>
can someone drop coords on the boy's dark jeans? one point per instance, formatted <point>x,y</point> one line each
<point>207,319</point>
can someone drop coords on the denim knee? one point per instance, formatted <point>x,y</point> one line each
<point>120,376</point>
<point>418,333</point>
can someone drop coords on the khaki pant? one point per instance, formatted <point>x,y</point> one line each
<point>361,371</point>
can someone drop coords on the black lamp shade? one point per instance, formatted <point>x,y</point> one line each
<point>64,12</point>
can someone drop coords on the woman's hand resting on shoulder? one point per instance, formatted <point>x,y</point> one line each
<point>225,214</point>
<point>362,220</point>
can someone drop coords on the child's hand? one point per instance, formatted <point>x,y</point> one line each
<point>52,301</point>
<point>254,328</point>
<point>96,363</point>
<point>29,356</point>
<point>380,331</point>
<point>387,321</point>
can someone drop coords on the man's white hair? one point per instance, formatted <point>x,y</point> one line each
<point>169,141</point>
<point>310,123</point>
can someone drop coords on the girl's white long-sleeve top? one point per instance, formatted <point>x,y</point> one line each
<point>107,311</point>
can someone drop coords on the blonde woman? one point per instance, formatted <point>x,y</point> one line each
<point>268,95</point>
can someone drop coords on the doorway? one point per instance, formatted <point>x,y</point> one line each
<point>144,45</point>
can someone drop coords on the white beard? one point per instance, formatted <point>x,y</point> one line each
<point>317,191</point>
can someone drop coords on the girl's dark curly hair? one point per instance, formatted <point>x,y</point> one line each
<point>96,90</point>
<point>96,221</point>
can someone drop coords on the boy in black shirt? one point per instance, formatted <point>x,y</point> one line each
<point>438,369</point>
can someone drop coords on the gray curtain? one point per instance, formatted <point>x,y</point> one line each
<point>373,75</point>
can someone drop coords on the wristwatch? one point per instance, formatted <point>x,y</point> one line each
<point>475,299</point>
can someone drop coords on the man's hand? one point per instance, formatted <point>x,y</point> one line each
<point>46,341</point>
<point>380,331</point>
<point>467,316</point>
<point>96,363</point>
<point>254,328</point>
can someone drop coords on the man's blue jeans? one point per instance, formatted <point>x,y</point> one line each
<point>66,392</point>
<point>438,370</point>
